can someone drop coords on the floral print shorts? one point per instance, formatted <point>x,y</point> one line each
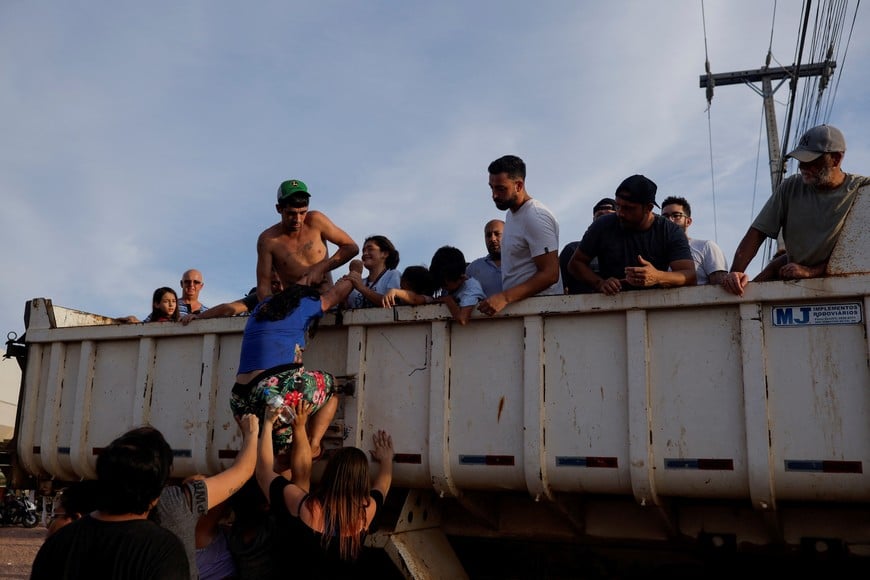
<point>292,383</point>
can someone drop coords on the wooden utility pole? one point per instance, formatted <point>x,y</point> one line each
<point>766,76</point>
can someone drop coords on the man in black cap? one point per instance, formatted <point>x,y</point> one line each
<point>635,248</point>
<point>296,246</point>
<point>573,285</point>
<point>809,208</point>
<point>603,207</point>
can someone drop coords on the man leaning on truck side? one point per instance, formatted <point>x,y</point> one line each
<point>635,248</point>
<point>809,208</point>
<point>529,243</point>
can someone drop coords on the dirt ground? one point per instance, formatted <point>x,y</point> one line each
<point>18,547</point>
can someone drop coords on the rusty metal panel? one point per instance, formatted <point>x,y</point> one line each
<point>698,430</point>
<point>818,382</point>
<point>587,403</point>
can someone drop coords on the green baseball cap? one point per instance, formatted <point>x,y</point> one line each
<point>292,188</point>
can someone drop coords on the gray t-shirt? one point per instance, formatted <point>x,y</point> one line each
<point>178,514</point>
<point>811,219</point>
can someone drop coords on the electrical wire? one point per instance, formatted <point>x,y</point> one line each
<point>710,125</point>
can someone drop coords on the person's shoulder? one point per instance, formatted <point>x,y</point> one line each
<point>315,218</point>
<point>272,232</point>
<point>605,222</point>
<point>473,286</point>
<point>539,207</point>
<point>790,185</point>
<point>667,225</point>
<point>569,249</point>
<point>856,181</point>
<point>702,245</point>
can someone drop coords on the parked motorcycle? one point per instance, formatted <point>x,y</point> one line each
<point>18,510</point>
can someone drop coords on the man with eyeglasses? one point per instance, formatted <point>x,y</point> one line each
<point>636,249</point>
<point>710,264</point>
<point>810,210</point>
<point>191,285</point>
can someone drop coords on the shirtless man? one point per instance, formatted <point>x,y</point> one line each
<point>296,247</point>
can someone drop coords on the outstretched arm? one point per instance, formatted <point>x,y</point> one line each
<point>735,282</point>
<point>266,456</point>
<point>547,274</point>
<point>220,311</point>
<point>336,295</point>
<point>682,273</point>
<point>383,454</point>
<point>329,232</point>
<point>229,481</point>
<point>580,269</point>
<point>394,295</point>
<point>300,453</point>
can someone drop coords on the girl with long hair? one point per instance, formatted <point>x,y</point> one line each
<point>164,306</point>
<point>328,522</point>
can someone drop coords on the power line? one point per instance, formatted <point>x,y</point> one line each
<point>710,125</point>
<point>842,63</point>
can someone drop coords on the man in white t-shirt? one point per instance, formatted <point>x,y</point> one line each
<point>710,264</point>
<point>530,242</point>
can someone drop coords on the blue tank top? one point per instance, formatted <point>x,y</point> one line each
<point>267,344</point>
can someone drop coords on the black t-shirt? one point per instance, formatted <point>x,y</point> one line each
<point>295,535</point>
<point>250,300</point>
<point>95,549</point>
<point>617,248</point>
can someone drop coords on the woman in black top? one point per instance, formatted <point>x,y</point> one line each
<point>327,523</point>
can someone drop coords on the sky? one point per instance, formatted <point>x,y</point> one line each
<point>140,139</point>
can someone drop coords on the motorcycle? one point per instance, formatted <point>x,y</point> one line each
<point>18,509</point>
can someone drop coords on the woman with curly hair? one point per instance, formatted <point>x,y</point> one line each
<point>326,523</point>
<point>270,370</point>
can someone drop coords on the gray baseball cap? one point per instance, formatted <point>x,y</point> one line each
<point>818,140</point>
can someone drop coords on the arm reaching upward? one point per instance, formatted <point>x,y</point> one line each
<point>383,454</point>
<point>229,481</point>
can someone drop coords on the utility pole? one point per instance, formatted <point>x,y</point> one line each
<point>766,76</point>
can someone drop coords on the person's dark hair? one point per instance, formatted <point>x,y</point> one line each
<point>79,498</point>
<point>156,298</point>
<point>294,201</point>
<point>132,471</point>
<point>387,246</point>
<point>343,493</point>
<point>510,164</point>
<point>687,209</point>
<point>419,280</point>
<point>285,302</point>
<point>249,504</point>
<point>448,264</point>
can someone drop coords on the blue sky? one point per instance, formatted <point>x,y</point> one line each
<point>142,139</point>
